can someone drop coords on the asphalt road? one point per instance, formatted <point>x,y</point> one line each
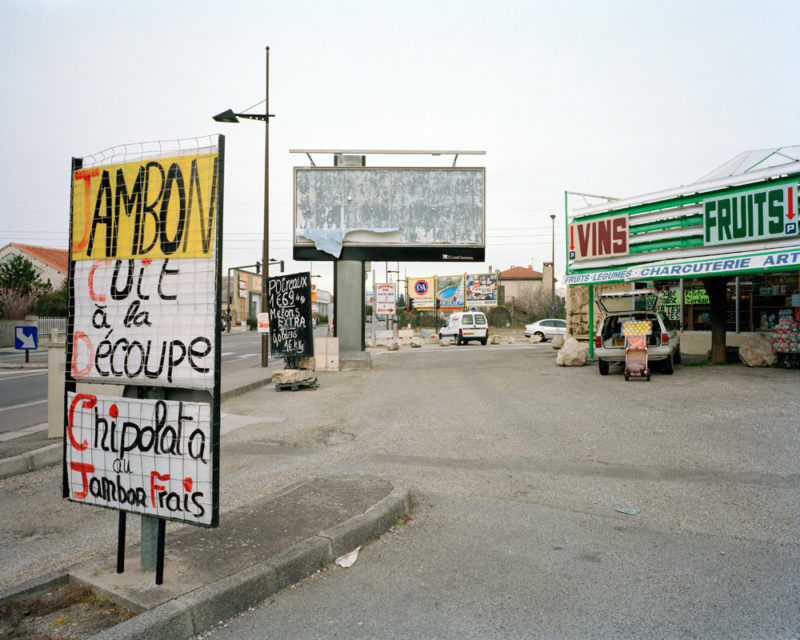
<point>518,468</point>
<point>23,398</point>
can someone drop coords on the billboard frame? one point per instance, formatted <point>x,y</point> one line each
<point>307,249</point>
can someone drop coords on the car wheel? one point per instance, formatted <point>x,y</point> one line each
<point>603,366</point>
<point>677,358</point>
<point>483,341</point>
<point>669,366</point>
<point>459,340</point>
<point>541,335</point>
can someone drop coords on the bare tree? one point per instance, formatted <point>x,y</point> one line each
<point>14,305</point>
<point>534,302</point>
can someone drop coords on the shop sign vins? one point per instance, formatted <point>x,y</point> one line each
<point>758,214</point>
<point>599,238</point>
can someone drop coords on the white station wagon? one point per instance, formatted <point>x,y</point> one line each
<point>663,343</point>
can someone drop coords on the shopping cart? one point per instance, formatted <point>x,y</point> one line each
<point>636,332</point>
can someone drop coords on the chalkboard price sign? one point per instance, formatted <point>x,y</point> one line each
<point>291,333</point>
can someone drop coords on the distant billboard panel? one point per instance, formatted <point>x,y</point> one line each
<point>481,290</point>
<point>421,293</point>
<point>410,214</point>
<point>450,292</point>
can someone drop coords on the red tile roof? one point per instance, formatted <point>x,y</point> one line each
<point>520,272</point>
<point>57,258</point>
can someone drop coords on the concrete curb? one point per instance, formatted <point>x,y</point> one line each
<point>31,461</point>
<point>23,365</point>
<point>203,608</point>
<point>237,391</point>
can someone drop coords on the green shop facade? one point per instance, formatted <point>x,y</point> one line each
<point>723,251</point>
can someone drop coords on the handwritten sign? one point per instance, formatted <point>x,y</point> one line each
<point>291,333</point>
<point>152,457</point>
<point>144,311</point>
<point>156,208</point>
<point>144,322</point>
<point>143,291</point>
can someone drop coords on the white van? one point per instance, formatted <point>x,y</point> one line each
<point>465,326</point>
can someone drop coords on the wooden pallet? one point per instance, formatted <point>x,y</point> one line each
<point>311,383</point>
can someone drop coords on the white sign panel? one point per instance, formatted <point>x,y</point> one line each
<point>757,214</point>
<point>604,237</point>
<point>152,457</point>
<point>697,268</point>
<point>385,299</point>
<point>144,322</point>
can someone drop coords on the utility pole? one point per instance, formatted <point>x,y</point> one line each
<point>553,265</point>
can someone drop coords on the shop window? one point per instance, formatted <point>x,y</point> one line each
<point>761,301</point>
<point>770,295</point>
<point>697,307</point>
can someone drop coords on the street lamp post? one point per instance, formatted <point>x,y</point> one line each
<point>230,116</point>
<point>553,264</point>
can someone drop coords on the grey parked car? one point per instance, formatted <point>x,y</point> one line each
<point>546,329</point>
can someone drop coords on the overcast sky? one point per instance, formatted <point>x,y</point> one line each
<point>609,97</point>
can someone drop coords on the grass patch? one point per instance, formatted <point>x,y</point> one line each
<point>66,612</point>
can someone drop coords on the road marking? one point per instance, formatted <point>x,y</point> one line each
<point>25,375</point>
<point>22,406</point>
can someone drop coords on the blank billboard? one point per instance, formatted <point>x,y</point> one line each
<point>388,213</point>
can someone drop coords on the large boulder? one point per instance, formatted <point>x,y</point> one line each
<point>757,351</point>
<point>572,354</point>
<point>558,342</point>
<point>535,339</point>
<point>290,376</point>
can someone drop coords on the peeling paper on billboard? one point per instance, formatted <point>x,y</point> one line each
<point>331,240</point>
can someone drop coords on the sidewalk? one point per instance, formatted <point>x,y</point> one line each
<point>268,545</point>
<point>212,574</point>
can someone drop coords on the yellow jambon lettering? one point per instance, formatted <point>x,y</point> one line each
<point>161,208</point>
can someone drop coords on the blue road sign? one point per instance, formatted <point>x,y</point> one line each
<point>26,338</point>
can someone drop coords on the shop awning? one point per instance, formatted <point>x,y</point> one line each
<point>784,259</point>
